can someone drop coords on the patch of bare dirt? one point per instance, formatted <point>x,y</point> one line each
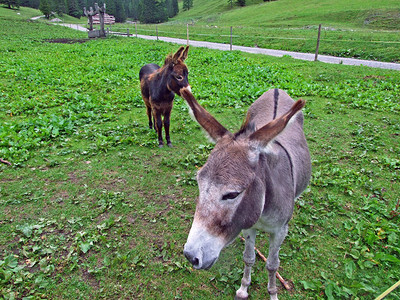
<point>90,279</point>
<point>67,41</point>
<point>77,177</point>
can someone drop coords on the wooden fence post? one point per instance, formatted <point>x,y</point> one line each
<point>136,29</point>
<point>157,32</point>
<point>127,32</point>
<point>317,49</point>
<point>231,40</point>
<point>187,34</point>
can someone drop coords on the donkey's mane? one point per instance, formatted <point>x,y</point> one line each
<point>168,59</point>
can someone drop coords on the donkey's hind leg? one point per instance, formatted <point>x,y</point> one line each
<point>150,116</point>
<point>275,241</point>
<point>249,258</point>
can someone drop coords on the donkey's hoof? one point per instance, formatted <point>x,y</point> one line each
<point>273,293</point>
<point>160,145</point>
<point>241,295</point>
<point>170,145</point>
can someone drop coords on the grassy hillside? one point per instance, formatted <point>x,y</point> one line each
<point>23,13</point>
<point>294,13</point>
<point>91,208</point>
<point>26,13</point>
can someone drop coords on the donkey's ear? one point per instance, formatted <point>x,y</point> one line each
<point>214,129</point>
<point>177,55</point>
<point>268,132</point>
<point>184,54</point>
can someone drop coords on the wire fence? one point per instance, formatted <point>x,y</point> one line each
<point>216,31</point>
<point>365,44</point>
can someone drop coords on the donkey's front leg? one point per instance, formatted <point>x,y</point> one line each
<point>167,117</point>
<point>249,258</point>
<point>158,125</point>
<point>275,241</point>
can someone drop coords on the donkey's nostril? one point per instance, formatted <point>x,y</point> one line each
<point>192,259</point>
<point>195,261</point>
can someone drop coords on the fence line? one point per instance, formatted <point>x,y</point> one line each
<point>259,37</point>
<point>157,32</point>
<point>310,43</point>
<point>231,36</point>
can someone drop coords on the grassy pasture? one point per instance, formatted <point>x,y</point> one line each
<point>361,29</point>
<point>293,13</point>
<point>91,208</point>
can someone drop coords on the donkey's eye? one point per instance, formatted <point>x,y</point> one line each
<point>179,77</point>
<point>230,196</point>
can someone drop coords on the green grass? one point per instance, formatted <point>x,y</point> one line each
<point>23,13</point>
<point>361,29</point>
<point>292,13</point>
<point>26,13</point>
<point>92,208</point>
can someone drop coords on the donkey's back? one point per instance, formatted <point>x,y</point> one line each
<point>147,70</point>
<point>269,106</point>
<point>292,141</point>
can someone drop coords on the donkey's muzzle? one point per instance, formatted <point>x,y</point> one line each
<point>186,86</point>
<point>198,261</point>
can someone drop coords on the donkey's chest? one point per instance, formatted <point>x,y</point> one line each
<point>271,223</point>
<point>162,97</point>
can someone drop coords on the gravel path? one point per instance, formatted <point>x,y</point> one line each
<point>278,53</point>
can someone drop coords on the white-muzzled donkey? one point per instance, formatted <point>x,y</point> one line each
<point>249,182</point>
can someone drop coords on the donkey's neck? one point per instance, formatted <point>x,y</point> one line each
<point>160,82</point>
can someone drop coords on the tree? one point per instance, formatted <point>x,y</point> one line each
<point>111,7</point>
<point>10,3</point>
<point>119,15</point>
<point>81,5</point>
<point>175,7</point>
<point>73,9</point>
<point>187,4</point>
<point>32,3</point>
<point>152,11</point>
<point>45,8</point>
<point>172,7</point>
<point>59,6</point>
<point>135,12</point>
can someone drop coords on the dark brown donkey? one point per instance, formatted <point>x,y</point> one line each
<point>159,86</point>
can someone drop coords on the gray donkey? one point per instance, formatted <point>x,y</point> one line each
<point>249,182</point>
